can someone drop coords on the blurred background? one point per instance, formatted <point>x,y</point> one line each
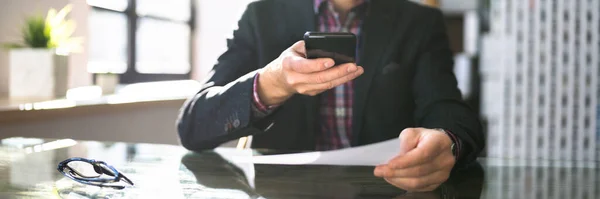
<point>121,69</point>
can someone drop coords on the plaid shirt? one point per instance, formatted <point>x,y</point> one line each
<point>335,110</point>
<point>335,127</point>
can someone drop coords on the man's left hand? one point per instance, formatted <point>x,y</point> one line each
<point>424,162</point>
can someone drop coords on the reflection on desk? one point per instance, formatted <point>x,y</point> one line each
<point>310,181</point>
<point>28,169</point>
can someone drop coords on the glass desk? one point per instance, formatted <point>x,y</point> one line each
<point>28,170</point>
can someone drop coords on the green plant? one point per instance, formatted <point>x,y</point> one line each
<point>35,33</point>
<point>54,31</point>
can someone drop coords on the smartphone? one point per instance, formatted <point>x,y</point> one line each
<point>339,46</point>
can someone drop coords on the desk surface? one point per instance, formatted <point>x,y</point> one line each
<point>28,170</point>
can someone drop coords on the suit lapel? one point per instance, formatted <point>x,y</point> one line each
<point>377,33</point>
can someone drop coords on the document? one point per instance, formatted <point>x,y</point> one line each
<point>367,155</point>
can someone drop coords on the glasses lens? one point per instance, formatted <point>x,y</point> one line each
<point>83,169</point>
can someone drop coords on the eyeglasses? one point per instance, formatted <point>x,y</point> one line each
<point>88,171</point>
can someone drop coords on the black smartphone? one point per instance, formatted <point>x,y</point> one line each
<point>339,46</point>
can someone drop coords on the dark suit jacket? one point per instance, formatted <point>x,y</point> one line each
<point>408,81</point>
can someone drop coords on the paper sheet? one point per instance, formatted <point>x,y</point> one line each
<point>368,155</point>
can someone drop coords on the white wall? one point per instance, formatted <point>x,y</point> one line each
<point>216,22</point>
<point>12,15</point>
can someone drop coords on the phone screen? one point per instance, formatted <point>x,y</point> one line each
<point>340,46</point>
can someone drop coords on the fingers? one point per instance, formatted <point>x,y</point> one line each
<point>424,183</point>
<point>313,76</point>
<point>411,172</point>
<point>428,147</point>
<point>331,74</point>
<point>297,62</point>
<point>415,157</point>
<point>421,178</point>
<point>339,78</point>
<point>302,65</point>
<point>409,138</point>
<point>313,89</point>
<point>349,76</point>
<point>425,164</point>
<point>440,163</point>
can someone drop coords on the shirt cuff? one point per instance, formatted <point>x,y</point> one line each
<point>257,103</point>
<point>457,144</point>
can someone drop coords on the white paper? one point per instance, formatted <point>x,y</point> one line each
<point>367,155</point>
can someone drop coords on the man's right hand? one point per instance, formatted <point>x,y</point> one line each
<point>292,73</point>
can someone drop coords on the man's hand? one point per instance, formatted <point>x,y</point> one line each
<point>424,162</point>
<point>292,73</point>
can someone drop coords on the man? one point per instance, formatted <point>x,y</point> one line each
<point>263,87</point>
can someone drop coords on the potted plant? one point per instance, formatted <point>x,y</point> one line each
<point>38,66</point>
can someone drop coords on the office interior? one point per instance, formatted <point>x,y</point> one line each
<point>530,68</point>
<point>158,55</point>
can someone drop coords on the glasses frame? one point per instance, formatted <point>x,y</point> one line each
<point>100,167</point>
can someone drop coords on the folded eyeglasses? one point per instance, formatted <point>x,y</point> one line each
<point>89,172</point>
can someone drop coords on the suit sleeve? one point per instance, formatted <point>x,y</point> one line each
<point>222,110</point>
<point>438,101</point>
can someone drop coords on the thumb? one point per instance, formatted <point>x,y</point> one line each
<point>409,139</point>
<point>299,48</point>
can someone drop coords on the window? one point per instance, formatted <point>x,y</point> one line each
<point>142,40</point>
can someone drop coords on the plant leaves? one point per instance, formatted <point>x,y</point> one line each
<point>60,16</point>
<point>35,32</point>
<point>51,15</point>
<point>62,32</point>
<point>54,31</point>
